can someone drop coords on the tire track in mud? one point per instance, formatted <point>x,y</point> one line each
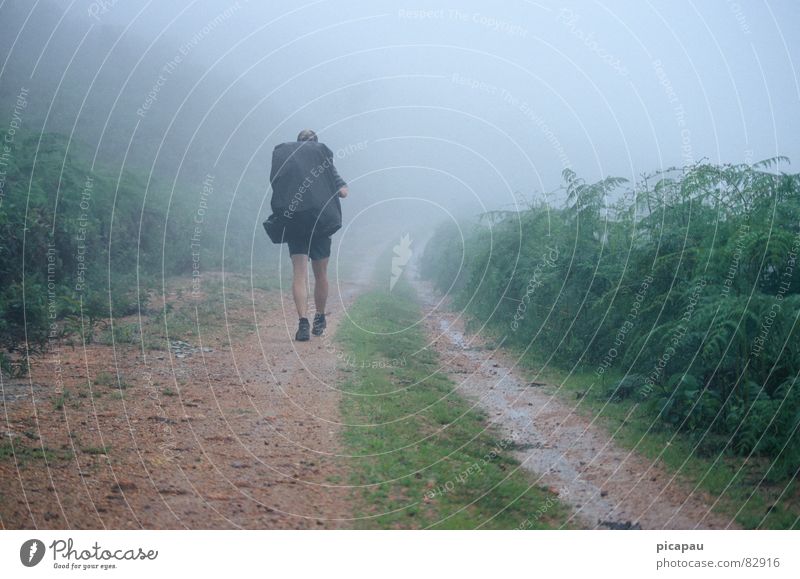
<point>607,486</point>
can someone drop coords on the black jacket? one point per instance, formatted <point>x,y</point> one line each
<point>305,187</point>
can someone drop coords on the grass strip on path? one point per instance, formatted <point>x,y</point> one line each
<point>425,457</point>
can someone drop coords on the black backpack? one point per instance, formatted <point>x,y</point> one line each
<point>305,199</point>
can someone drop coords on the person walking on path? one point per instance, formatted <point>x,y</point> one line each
<point>306,193</point>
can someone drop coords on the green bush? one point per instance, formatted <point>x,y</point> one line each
<point>685,286</point>
<point>80,244</point>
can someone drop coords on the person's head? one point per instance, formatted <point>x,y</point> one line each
<point>307,135</point>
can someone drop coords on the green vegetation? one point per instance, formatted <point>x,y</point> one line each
<point>110,380</point>
<point>95,450</point>
<point>24,454</point>
<point>63,271</point>
<point>66,397</point>
<point>426,458</point>
<point>82,244</point>
<point>678,302</point>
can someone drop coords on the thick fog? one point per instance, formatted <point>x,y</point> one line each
<point>433,108</point>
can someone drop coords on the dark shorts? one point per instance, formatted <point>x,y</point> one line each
<point>315,247</point>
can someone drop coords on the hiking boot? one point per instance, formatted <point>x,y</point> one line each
<point>302,331</point>
<point>319,324</point>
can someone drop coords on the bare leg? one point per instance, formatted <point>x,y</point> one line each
<point>300,283</point>
<point>320,267</point>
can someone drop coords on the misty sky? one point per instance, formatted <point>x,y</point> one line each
<point>463,103</point>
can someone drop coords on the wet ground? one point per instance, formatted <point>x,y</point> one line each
<point>564,449</point>
<point>234,427</point>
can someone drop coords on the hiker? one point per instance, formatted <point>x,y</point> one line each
<point>306,189</point>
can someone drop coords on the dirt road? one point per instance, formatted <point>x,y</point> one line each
<point>238,426</point>
<point>235,427</point>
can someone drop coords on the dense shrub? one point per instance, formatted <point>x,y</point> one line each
<point>684,289</point>
<point>77,242</point>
